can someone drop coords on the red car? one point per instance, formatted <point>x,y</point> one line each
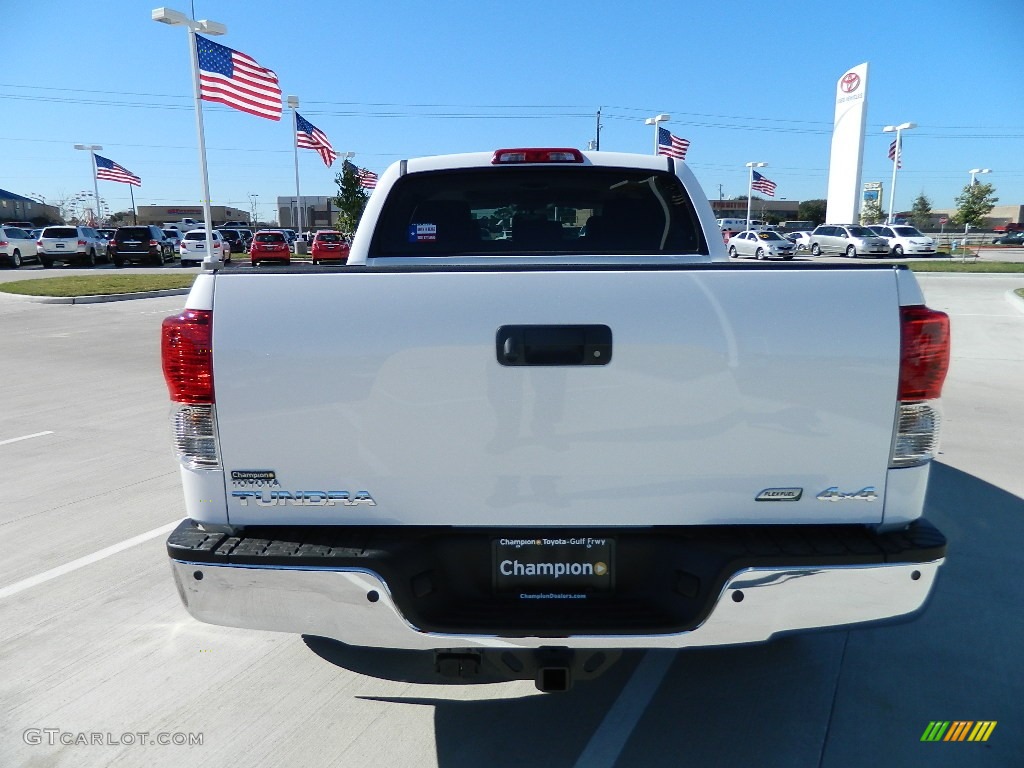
<point>270,245</point>
<point>329,246</point>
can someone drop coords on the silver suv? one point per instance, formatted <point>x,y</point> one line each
<point>850,239</point>
<point>70,244</point>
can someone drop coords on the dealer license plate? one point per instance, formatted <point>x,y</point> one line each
<point>553,565</point>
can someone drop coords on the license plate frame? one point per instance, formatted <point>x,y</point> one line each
<point>553,565</point>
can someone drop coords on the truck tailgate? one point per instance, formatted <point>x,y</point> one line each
<point>723,383</point>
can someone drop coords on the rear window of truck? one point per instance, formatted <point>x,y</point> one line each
<point>538,210</point>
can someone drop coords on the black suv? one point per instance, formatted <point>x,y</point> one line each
<point>147,245</point>
<point>235,239</point>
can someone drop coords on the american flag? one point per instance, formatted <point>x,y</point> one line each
<point>671,145</point>
<point>236,80</point>
<point>893,154</point>
<point>367,179</point>
<point>763,184</point>
<point>111,171</point>
<point>308,136</point>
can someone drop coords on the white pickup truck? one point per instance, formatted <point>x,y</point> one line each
<point>540,416</point>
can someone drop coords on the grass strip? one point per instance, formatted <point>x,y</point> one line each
<point>96,285</point>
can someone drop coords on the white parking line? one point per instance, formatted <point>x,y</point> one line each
<point>74,565</point>
<point>604,747</point>
<point>25,437</point>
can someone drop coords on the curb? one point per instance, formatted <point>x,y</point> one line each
<point>100,299</point>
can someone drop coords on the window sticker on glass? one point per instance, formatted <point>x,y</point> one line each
<point>419,233</point>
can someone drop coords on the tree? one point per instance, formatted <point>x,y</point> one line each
<point>974,204</point>
<point>121,219</point>
<point>921,213</point>
<point>351,199</point>
<point>872,212</point>
<point>812,210</point>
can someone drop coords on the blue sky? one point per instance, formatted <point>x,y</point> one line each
<point>743,81</point>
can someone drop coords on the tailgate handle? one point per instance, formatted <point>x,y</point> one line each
<point>554,345</point>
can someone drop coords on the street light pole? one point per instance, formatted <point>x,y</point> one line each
<point>895,163</point>
<point>255,213</point>
<point>750,187</point>
<point>654,121</point>
<point>213,28</point>
<point>974,172</point>
<point>91,149</point>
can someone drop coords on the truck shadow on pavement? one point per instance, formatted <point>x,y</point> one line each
<point>835,698</point>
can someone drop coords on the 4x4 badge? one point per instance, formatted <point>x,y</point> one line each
<point>834,494</point>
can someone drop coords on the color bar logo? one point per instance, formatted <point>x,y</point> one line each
<point>958,730</point>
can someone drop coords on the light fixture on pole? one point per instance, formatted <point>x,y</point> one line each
<point>654,121</point>
<point>895,163</point>
<point>213,28</point>
<point>750,186</point>
<point>91,149</point>
<point>255,213</point>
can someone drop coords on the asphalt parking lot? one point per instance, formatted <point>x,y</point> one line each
<point>96,650</point>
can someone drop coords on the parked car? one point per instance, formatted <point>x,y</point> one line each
<point>105,234</point>
<point>329,246</point>
<point>270,245</point>
<point>233,240</point>
<point>1012,238</point>
<point>760,244</point>
<point>192,249</point>
<point>71,245</point>
<point>174,238</point>
<point>850,239</point>
<point>17,245</point>
<point>904,239</point>
<point>802,240</point>
<point>142,244</point>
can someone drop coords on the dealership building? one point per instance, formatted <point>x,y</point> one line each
<point>159,214</point>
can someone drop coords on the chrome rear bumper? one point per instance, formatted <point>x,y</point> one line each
<point>355,606</point>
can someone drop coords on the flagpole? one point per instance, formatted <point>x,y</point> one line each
<point>895,164</point>
<point>750,188</point>
<point>135,218</point>
<point>209,262</point>
<point>95,186</point>
<point>293,102</point>
<point>654,121</point>
<point>175,19</point>
<point>892,187</point>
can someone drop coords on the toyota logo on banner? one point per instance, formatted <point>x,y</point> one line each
<point>850,82</point>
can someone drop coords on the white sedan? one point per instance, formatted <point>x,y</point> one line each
<point>760,244</point>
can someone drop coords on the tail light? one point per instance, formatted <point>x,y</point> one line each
<point>4,243</point>
<point>153,243</point>
<point>924,361</point>
<point>39,243</point>
<point>513,156</point>
<point>186,352</point>
<point>81,242</point>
